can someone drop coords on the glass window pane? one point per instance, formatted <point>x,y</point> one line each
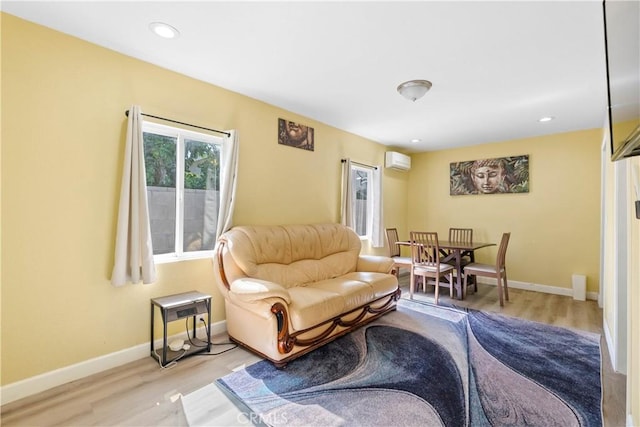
<point>360,186</point>
<point>160,166</point>
<point>201,195</point>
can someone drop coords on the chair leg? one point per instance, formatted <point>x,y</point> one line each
<point>412,284</point>
<point>464,286</point>
<point>506,286</point>
<point>437,288</point>
<point>451,285</point>
<point>500,292</point>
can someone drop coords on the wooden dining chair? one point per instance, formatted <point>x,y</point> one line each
<point>464,235</point>
<point>395,253</point>
<point>497,270</point>
<point>425,262</point>
<point>461,235</point>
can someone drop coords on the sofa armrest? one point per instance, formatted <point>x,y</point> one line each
<point>374,263</point>
<point>250,290</point>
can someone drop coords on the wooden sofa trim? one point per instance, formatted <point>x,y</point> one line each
<point>222,242</point>
<point>318,342</point>
<point>287,341</point>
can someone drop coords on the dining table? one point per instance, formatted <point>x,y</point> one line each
<point>452,253</point>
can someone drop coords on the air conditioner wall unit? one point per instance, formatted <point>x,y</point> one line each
<point>398,161</point>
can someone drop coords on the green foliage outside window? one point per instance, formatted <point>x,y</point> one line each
<point>160,160</point>
<point>201,163</point>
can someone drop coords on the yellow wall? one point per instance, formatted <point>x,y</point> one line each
<point>63,129</point>
<point>555,227</point>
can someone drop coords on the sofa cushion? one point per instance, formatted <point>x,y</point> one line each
<point>381,284</point>
<point>310,306</point>
<point>354,293</point>
<point>296,254</point>
<point>249,290</point>
<point>318,301</point>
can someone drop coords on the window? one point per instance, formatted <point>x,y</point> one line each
<point>363,203</point>
<point>183,190</point>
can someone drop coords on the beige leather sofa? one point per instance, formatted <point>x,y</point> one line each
<point>290,289</point>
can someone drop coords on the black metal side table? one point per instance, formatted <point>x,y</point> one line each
<point>176,307</point>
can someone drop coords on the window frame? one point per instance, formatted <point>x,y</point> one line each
<point>180,134</point>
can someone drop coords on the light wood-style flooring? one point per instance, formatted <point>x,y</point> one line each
<point>142,394</point>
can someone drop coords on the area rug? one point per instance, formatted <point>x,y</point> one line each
<point>428,365</point>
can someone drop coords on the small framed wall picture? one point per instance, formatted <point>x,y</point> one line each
<point>295,135</point>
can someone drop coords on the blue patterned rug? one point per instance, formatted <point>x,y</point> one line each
<point>427,365</point>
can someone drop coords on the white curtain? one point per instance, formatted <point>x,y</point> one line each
<point>377,228</point>
<point>229,174</point>
<point>211,209</point>
<point>134,251</point>
<point>347,213</point>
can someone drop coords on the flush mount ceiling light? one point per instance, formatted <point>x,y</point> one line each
<point>164,30</point>
<point>414,89</point>
<point>546,119</point>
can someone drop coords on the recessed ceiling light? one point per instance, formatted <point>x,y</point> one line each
<point>416,140</point>
<point>546,119</point>
<point>164,30</point>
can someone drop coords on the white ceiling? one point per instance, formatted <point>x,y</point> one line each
<point>496,67</point>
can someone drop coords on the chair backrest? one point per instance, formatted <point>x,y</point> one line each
<point>502,251</point>
<point>392,238</point>
<point>461,235</point>
<point>425,248</point>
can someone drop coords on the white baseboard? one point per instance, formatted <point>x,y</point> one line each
<point>547,289</point>
<point>630,422</point>
<point>39,383</point>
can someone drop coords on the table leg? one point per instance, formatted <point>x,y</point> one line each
<point>458,274</point>
<point>474,279</point>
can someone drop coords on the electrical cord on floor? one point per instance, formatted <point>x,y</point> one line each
<point>200,343</point>
<point>210,342</point>
<point>171,364</point>
<point>220,352</point>
<point>186,326</point>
